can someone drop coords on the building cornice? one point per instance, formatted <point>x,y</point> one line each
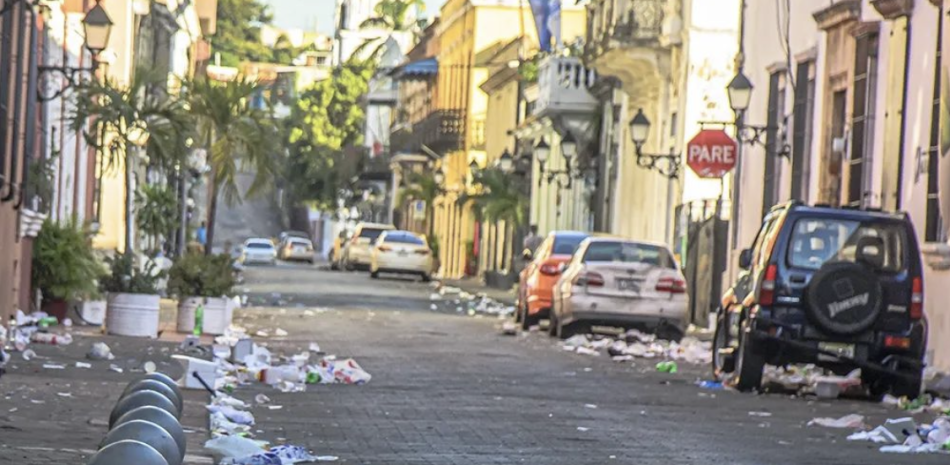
<point>866,27</point>
<point>837,13</point>
<point>893,9</point>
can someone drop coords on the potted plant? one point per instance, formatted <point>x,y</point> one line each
<point>64,267</point>
<point>206,282</point>
<point>133,299</point>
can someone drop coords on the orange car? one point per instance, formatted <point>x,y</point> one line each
<point>539,277</point>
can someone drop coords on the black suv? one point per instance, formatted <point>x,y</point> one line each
<point>840,288</point>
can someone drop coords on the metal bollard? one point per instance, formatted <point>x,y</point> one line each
<point>141,399</point>
<point>152,385</point>
<point>149,433</point>
<point>127,453</point>
<point>161,378</point>
<point>161,418</point>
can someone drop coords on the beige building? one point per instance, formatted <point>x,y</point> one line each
<point>851,87</point>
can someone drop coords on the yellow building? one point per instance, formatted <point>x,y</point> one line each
<point>467,29</point>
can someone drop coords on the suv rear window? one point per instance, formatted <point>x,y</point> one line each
<point>816,241</point>
<point>403,238</point>
<point>371,233</point>
<point>628,252</point>
<point>566,245</point>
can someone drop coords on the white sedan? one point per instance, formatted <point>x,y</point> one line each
<point>621,283</point>
<point>401,252</point>
<point>259,250</point>
<point>296,248</point>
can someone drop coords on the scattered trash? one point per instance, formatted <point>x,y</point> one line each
<point>280,333</point>
<point>830,387</point>
<point>28,354</point>
<point>852,421</point>
<point>509,328</point>
<point>64,394</point>
<point>902,435</point>
<point>712,385</point>
<point>280,455</point>
<point>229,447</point>
<point>191,341</point>
<point>590,406</point>
<point>667,367</point>
<point>54,366</point>
<point>586,351</point>
<point>582,429</point>
<point>149,367</point>
<point>52,339</point>
<point>261,399</point>
<point>100,351</point>
<point>233,415</point>
<point>83,365</point>
<point>315,348</point>
<point>115,368</point>
<point>760,414</point>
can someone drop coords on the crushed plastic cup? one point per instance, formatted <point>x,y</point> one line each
<point>667,367</point>
<point>100,351</point>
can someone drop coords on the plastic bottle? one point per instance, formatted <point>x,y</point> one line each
<point>199,320</point>
<point>274,375</point>
<point>48,321</point>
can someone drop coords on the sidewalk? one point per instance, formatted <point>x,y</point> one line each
<point>476,286</point>
<point>53,412</point>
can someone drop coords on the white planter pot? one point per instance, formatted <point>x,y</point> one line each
<point>217,314</point>
<point>91,312</point>
<point>135,315</point>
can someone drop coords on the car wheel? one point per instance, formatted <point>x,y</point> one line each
<point>750,363</point>
<point>723,360</point>
<point>528,320</point>
<point>348,266</point>
<point>552,324</point>
<point>518,310</point>
<point>426,277</point>
<point>374,274</point>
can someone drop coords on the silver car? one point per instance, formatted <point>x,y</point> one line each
<point>620,283</point>
<point>296,248</point>
<point>259,251</point>
<point>358,252</point>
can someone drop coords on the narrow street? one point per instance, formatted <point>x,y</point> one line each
<point>449,388</point>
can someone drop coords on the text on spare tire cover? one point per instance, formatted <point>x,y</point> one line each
<point>835,308</point>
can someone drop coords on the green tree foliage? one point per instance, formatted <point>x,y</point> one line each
<point>237,136</point>
<point>499,198</point>
<point>327,120</point>
<point>157,211</point>
<point>394,15</point>
<point>238,34</point>
<point>285,53</point>
<point>64,263</point>
<point>422,186</point>
<point>196,275</point>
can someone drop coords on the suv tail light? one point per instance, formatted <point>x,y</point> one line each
<point>384,248</point>
<point>589,279</point>
<point>917,299</point>
<point>767,289</point>
<point>550,269</point>
<point>671,285</point>
<point>422,251</point>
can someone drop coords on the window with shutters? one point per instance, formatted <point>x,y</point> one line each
<point>774,141</point>
<point>803,127</point>
<point>933,228</point>
<point>862,119</point>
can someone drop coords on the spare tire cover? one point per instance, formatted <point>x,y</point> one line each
<point>844,298</point>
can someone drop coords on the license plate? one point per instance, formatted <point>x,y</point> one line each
<point>628,285</point>
<point>844,350</point>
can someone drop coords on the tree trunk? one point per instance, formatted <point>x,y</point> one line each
<point>129,199</point>
<point>212,211</point>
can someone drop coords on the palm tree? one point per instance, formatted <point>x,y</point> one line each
<point>237,135</point>
<point>391,16</point>
<point>422,186</point>
<point>118,121</point>
<point>157,212</point>
<point>499,198</point>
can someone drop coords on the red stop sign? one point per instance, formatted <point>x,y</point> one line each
<point>712,153</point>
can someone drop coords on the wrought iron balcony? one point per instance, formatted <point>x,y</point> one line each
<point>441,132</point>
<point>624,23</point>
<point>563,86</point>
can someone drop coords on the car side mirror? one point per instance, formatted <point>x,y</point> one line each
<point>527,254</point>
<point>745,259</point>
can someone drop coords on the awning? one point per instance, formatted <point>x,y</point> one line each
<point>416,69</point>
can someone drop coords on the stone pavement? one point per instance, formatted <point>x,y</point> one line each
<point>58,416</point>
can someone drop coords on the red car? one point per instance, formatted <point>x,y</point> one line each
<point>536,284</point>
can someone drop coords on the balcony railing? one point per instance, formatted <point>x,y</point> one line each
<point>441,132</point>
<point>635,23</point>
<point>563,86</point>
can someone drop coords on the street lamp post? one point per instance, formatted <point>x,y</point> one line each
<point>97,28</point>
<point>569,151</point>
<point>667,164</point>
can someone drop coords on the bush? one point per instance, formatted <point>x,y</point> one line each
<point>64,263</point>
<point>126,278</point>
<point>196,275</point>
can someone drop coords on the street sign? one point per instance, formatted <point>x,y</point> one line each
<point>712,153</point>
